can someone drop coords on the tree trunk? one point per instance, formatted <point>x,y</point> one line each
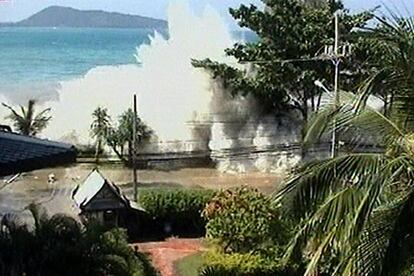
<point>98,148</point>
<point>119,153</point>
<point>130,149</point>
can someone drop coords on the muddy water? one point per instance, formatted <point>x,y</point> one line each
<point>56,197</point>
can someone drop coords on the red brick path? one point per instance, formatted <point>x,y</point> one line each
<point>164,254</point>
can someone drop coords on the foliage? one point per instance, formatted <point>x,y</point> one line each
<point>241,263</point>
<point>247,234</point>
<point>99,129</point>
<point>356,208</point>
<point>121,135</point>
<point>175,211</point>
<point>59,245</point>
<point>392,50</point>
<point>243,221</point>
<point>27,122</point>
<point>290,35</point>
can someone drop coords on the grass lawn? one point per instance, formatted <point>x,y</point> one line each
<point>189,266</point>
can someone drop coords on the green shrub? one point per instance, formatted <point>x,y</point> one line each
<point>240,264</point>
<point>244,221</point>
<point>60,245</point>
<point>248,234</point>
<point>175,211</point>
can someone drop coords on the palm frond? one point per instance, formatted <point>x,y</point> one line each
<point>328,229</point>
<point>28,122</point>
<point>315,182</point>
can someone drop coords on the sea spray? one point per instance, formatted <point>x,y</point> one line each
<point>172,95</point>
<point>187,110</point>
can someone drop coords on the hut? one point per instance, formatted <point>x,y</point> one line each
<point>102,201</point>
<point>21,153</point>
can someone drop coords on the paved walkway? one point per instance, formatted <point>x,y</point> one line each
<point>165,254</point>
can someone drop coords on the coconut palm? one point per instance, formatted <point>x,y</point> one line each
<point>100,128</point>
<point>26,121</point>
<point>356,209</point>
<point>393,78</point>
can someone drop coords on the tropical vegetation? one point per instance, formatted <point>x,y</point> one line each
<point>26,121</point>
<point>117,135</point>
<point>287,57</point>
<point>174,211</point>
<point>100,127</point>
<point>355,209</point>
<point>246,234</point>
<point>120,136</point>
<point>59,245</point>
<point>351,214</point>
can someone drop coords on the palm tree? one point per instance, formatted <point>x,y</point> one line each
<point>27,122</point>
<point>60,245</point>
<point>356,209</point>
<point>122,135</point>
<point>100,127</point>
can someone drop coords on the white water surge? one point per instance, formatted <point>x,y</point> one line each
<point>171,92</point>
<point>187,110</point>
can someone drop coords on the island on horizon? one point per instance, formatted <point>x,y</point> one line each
<point>58,16</point>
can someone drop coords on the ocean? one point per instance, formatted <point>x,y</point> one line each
<point>74,71</point>
<point>33,59</point>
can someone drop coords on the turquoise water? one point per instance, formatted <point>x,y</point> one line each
<point>37,57</point>
<point>33,61</point>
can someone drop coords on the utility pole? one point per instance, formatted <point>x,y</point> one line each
<point>134,149</point>
<point>337,61</point>
<point>334,53</point>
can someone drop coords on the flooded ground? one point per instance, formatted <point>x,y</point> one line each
<point>56,198</point>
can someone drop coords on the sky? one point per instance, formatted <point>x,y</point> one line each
<point>15,10</point>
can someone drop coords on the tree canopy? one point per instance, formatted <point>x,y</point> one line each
<point>100,127</point>
<point>121,135</point>
<point>355,209</point>
<point>285,57</point>
<point>60,245</point>
<point>27,122</point>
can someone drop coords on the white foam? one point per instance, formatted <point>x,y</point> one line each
<point>182,104</point>
<point>171,92</point>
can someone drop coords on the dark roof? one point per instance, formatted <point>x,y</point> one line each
<point>98,193</point>
<point>20,153</point>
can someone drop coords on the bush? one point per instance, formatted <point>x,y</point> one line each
<point>175,212</point>
<point>247,233</point>
<point>240,263</point>
<point>60,245</point>
<point>244,221</point>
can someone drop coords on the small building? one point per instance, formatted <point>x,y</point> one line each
<point>21,153</point>
<point>101,200</point>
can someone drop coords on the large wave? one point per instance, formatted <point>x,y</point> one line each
<point>187,109</point>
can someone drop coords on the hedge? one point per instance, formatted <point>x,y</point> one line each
<point>236,264</point>
<point>174,212</point>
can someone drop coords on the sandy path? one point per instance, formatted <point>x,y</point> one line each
<point>164,254</point>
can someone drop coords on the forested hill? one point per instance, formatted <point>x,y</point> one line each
<point>56,16</point>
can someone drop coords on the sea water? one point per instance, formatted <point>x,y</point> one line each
<point>33,61</point>
<point>74,71</point>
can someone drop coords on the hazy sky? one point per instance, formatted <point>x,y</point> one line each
<point>14,10</point>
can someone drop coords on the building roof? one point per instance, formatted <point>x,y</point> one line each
<point>86,195</point>
<point>20,153</point>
